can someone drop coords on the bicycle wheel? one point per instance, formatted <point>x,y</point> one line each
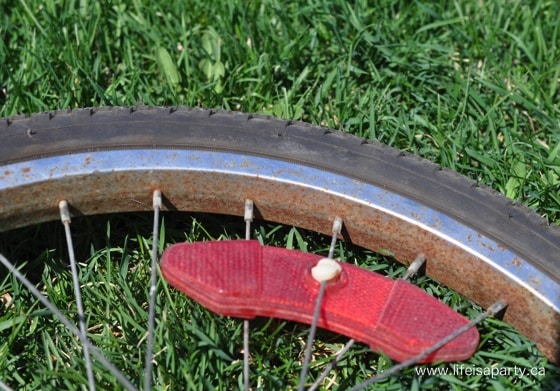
<point>103,160</point>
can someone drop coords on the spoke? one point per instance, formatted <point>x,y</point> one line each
<point>73,329</point>
<point>246,383</point>
<point>4,386</point>
<point>311,339</point>
<point>336,230</point>
<point>332,364</point>
<point>492,310</point>
<point>412,270</point>
<point>157,202</point>
<point>248,220</point>
<point>65,217</point>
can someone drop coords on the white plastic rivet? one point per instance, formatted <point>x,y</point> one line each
<point>326,270</point>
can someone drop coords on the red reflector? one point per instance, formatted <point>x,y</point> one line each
<point>244,279</point>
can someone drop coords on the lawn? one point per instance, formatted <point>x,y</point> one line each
<point>471,85</point>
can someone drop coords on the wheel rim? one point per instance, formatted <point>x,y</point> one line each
<point>288,193</point>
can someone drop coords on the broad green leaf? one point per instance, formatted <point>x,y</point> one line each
<point>207,44</point>
<point>206,67</point>
<point>167,66</point>
<point>554,153</point>
<point>219,70</point>
<point>516,181</point>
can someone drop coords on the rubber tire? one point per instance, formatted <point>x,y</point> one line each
<point>479,207</point>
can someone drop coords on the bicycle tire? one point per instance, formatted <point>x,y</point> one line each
<point>533,312</point>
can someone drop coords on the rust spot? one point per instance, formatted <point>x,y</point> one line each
<point>535,281</point>
<point>26,170</point>
<point>516,262</point>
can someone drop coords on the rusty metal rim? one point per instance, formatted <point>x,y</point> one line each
<point>65,168</point>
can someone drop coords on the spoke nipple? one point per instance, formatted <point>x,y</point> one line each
<point>415,266</point>
<point>64,211</point>
<point>337,226</point>
<point>497,307</point>
<point>157,200</point>
<point>326,270</point>
<point>248,210</point>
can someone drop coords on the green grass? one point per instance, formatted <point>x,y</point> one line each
<point>195,349</point>
<point>471,85</point>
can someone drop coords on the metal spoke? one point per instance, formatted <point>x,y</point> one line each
<point>492,310</point>
<point>336,230</point>
<point>332,364</point>
<point>412,270</point>
<point>311,339</point>
<point>157,202</point>
<point>248,216</point>
<point>65,217</point>
<point>4,386</point>
<point>73,329</point>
